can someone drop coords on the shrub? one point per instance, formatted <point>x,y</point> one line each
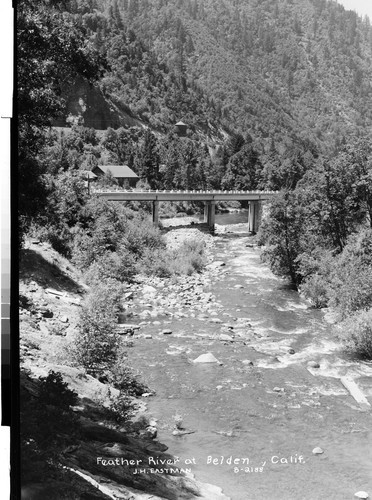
<point>118,266</point>
<point>351,277</point>
<point>121,408</point>
<point>114,242</point>
<point>186,259</point>
<point>97,343</point>
<point>315,289</point>
<point>123,378</point>
<point>357,334</point>
<point>140,235</point>
<point>316,267</point>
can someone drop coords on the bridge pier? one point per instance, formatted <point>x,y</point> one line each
<point>253,216</point>
<point>155,213</point>
<point>210,214</point>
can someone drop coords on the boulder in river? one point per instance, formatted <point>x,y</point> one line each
<point>247,362</point>
<point>226,337</point>
<point>313,364</point>
<point>274,359</point>
<point>167,332</point>
<point>318,451</point>
<point>361,494</point>
<point>206,358</point>
<point>149,290</point>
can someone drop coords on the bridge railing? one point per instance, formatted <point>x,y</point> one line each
<point>179,191</point>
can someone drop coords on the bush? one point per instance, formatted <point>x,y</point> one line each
<point>357,334</point>
<point>97,343</point>
<point>121,408</point>
<point>188,258</point>
<point>140,235</point>
<point>114,242</point>
<point>315,289</point>
<point>351,277</point>
<point>118,266</point>
<point>316,267</point>
<point>155,263</point>
<point>185,260</point>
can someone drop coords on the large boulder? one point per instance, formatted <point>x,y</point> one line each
<point>206,358</point>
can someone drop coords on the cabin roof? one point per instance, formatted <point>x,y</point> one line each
<point>118,171</point>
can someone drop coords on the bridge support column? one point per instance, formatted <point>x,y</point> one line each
<point>206,208</point>
<point>211,214</point>
<point>155,213</point>
<point>253,216</point>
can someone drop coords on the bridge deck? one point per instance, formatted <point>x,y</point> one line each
<point>185,195</point>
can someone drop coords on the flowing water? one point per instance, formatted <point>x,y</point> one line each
<point>256,425</point>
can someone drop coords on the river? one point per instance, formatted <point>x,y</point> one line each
<point>262,407</point>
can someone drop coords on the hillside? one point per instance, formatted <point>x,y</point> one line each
<point>282,71</point>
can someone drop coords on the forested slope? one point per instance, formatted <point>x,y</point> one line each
<point>278,69</point>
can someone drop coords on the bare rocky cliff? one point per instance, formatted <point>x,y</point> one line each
<point>87,105</point>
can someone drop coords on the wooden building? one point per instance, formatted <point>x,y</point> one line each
<point>122,173</point>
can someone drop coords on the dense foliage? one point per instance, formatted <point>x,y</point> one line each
<point>319,235</point>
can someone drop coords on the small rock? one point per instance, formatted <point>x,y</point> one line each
<point>274,359</point>
<point>278,389</point>
<point>225,337</point>
<point>47,313</point>
<point>313,364</point>
<point>61,333</point>
<point>33,286</point>
<point>318,451</point>
<point>149,290</point>
<point>219,387</point>
<point>151,432</point>
<point>167,332</point>
<point>64,319</point>
<point>291,351</point>
<point>247,362</point>
<point>206,358</point>
<point>238,286</point>
<point>361,494</point>
<point>43,328</point>
<point>147,394</point>
<point>148,336</point>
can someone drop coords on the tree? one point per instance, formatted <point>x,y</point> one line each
<point>148,160</point>
<point>284,235</point>
<point>243,170</point>
<point>51,50</point>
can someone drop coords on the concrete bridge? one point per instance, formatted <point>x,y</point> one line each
<point>209,198</point>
